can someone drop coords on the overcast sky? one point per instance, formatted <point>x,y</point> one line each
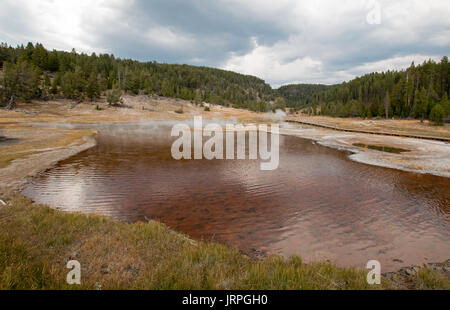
<point>282,41</point>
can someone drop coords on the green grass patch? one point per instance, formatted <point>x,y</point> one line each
<point>381,148</point>
<point>36,243</point>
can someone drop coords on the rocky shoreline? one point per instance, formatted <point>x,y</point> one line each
<point>406,274</point>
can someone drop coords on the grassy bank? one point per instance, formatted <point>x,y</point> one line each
<point>36,242</point>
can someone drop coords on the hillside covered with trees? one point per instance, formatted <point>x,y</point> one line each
<point>32,72</point>
<point>418,92</point>
<point>298,96</point>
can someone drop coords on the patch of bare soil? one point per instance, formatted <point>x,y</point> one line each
<point>32,150</point>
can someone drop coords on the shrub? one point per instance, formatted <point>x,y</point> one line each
<point>437,115</point>
<point>20,80</point>
<point>113,96</point>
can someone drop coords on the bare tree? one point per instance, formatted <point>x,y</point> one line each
<point>11,104</point>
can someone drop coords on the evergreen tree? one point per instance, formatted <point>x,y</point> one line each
<point>387,103</point>
<point>445,103</point>
<point>56,82</point>
<point>437,115</point>
<point>73,84</point>
<point>47,82</point>
<point>422,104</point>
<point>113,96</point>
<point>93,88</point>
<point>198,97</point>
<point>54,88</point>
<point>40,57</point>
<point>21,80</point>
<point>53,62</point>
<point>167,89</point>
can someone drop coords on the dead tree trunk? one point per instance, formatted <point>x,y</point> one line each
<point>11,104</point>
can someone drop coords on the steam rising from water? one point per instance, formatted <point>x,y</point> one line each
<point>278,116</point>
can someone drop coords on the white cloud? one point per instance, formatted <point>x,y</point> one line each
<point>270,62</point>
<point>168,38</point>
<point>333,42</point>
<point>395,63</point>
<point>64,24</point>
<point>286,41</point>
<point>440,39</point>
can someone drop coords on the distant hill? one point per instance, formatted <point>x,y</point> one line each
<point>33,72</point>
<point>411,93</point>
<point>300,95</point>
<point>417,92</point>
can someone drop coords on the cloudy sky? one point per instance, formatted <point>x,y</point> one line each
<point>283,41</point>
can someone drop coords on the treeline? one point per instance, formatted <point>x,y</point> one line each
<point>418,92</point>
<point>33,72</point>
<point>298,96</point>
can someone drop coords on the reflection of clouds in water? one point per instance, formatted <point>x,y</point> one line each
<point>72,194</point>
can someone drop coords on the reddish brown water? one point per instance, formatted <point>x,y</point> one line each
<point>318,204</point>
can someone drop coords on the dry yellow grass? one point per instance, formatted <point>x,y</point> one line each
<point>142,108</point>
